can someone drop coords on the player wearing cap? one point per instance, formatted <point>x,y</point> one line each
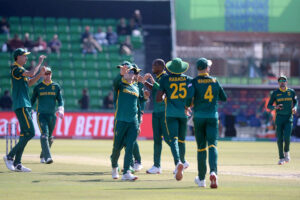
<point>158,115</point>
<point>126,119</point>
<point>47,93</point>
<point>22,105</point>
<point>205,94</point>
<point>286,104</point>
<point>175,88</point>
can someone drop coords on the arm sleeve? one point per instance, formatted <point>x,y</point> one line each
<point>34,96</point>
<point>59,98</point>
<point>271,101</point>
<point>222,94</point>
<point>295,101</point>
<point>17,73</point>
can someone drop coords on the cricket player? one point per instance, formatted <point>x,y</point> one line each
<point>47,93</point>
<point>286,105</point>
<point>175,88</point>
<point>22,106</point>
<point>158,115</point>
<point>205,94</point>
<point>126,120</point>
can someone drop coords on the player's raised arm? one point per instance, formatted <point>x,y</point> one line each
<point>33,80</point>
<point>35,69</point>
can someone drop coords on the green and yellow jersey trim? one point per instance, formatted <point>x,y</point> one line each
<point>47,84</point>
<point>203,74</point>
<point>23,110</point>
<point>283,90</point>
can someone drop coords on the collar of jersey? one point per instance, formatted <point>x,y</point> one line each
<point>46,83</point>
<point>163,72</point>
<point>283,90</point>
<point>15,63</point>
<point>124,81</point>
<point>203,74</point>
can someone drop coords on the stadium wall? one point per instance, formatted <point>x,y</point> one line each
<point>80,125</point>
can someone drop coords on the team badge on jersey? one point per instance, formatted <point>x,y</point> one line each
<point>53,87</point>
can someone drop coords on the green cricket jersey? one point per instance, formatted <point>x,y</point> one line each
<point>286,97</point>
<point>46,96</point>
<point>158,106</point>
<point>20,88</point>
<point>175,86</point>
<point>141,102</point>
<point>206,92</point>
<point>127,100</point>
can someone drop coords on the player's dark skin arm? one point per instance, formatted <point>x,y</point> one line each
<point>35,69</point>
<point>148,85</point>
<point>159,96</point>
<point>32,81</point>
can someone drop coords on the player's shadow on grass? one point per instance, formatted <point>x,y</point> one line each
<point>269,164</point>
<point>78,173</point>
<point>154,188</point>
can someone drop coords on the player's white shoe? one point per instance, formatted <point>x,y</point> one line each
<point>9,163</point>
<point>179,171</point>
<point>200,183</point>
<point>129,176</point>
<point>213,180</point>
<point>21,168</point>
<point>154,170</point>
<point>186,164</point>
<point>115,173</point>
<point>42,160</point>
<point>281,161</point>
<point>49,161</point>
<point>287,157</point>
<point>137,167</point>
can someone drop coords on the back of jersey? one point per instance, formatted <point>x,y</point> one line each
<point>175,88</point>
<point>207,92</point>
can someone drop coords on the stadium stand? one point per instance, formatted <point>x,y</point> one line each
<point>72,69</point>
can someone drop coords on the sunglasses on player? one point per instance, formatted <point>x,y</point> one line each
<point>281,80</point>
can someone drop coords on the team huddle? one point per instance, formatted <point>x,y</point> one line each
<point>176,97</point>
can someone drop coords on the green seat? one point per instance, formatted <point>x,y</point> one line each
<point>62,21</point>
<point>75,38</point>
<point>78,64</point>
<point>80,84</point>
<point>295,81</point>
<point>39,29</point>
<point>51,29</point>
<point>64,37</point>
<point>102,57</point>
<point>55,64</point>
<point>90,57</point>
<point>67,64</point>
<point>94,83</point>
<point>137,42</point>
<point>76,47</point>
<point>68,82</point>
<point>77,56</point>
<point>4,63</point>
<point>91,65</point>
<point>68,73</point>
<point>50,21</point>
<point>15,28</point>
<point>14,20</point>
<point>56,74</point>
<point>74,21</point>
<point>26,20</point>
<point>122,38</point>
<point>27,28</point>
<point>86,22</point>
<point>111,22</point>
<point>4,55</point>
<point>69,92</point>
<point>127,57</point>
<point>92,74</point>
<point>38,21</point>
<point>65,47</point>
<point>114,57</point>
<point>62,29</point>
<point>99,22</point>
<point>79,74</point>
<point>75,29</point>
<point>114,48</point>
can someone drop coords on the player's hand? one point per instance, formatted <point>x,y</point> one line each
<point>146,94</point>
<point>140,79</point>
<point>279,107</point>
<point>294,110</point>
<point>149,76</point>
<point>60,112</point>
<point>188,111</point>
<point>41,58</point>
<point>123,70</point>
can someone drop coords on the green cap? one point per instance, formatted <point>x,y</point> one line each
<point>282,77</point>
<point>203,63</point>
<point>127,63</point>
<point>136,68</point>
<point>177,66</point>
<point>20,52</point>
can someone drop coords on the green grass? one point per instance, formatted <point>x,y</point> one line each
<point>81,170</point>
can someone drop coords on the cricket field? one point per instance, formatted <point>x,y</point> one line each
<point>81,170</point>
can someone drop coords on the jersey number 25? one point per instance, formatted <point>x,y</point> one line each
<point>179,90</point>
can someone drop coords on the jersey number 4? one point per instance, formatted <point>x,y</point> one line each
<point>208,94</point>
<point>179,90</point>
